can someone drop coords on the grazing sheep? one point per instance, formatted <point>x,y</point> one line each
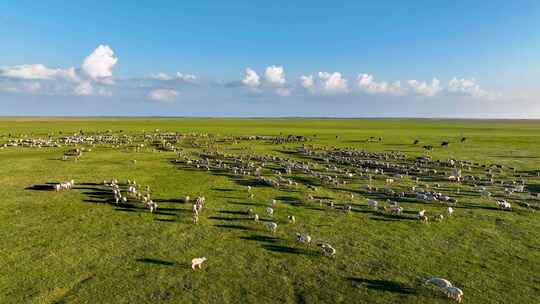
<point>438,217</point>
<point>503,204</point>
<point>449,211</point>
<point>303,238</point>
<point>256,217</point>
<point>371,203</point>
<point>454,293</point>
<point>271,226</point>
<point>347,208</point>
<point>270,211</point>
<point>439,282</point>
<point>328,250</point>
<point>197,262</point>
<point>291,219</point>
<point>422,216</point>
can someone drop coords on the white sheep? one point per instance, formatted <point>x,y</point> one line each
<point>197,262</point>
<point>271,226</point>
<point>449,211</point>
<point>371,203</point>
<point>270,211</point>
<point>454,293</point>
<point>328,250</point>
<point>303,238</point>
<point>439,282</point>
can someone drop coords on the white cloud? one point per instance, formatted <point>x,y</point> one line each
<point>423,88</point>
<point>83,89</point>
<point>466,87</point>
<point>100,62</point>
<point>367,84</point>
<point>333,82</point>
<point>307,82</point>
<point>38,72</point>
<point>163,95</point>
<point>178,76</point>
<point>251,79</point>
<point>274,75</point>
<point>186,77</point>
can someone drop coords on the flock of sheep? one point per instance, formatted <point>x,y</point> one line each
<point>394,177</point>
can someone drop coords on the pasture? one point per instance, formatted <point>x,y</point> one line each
<point>79,246</point>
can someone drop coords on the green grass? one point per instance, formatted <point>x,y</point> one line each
<point>68,247</point>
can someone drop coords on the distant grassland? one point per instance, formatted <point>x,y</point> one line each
<point>67,247</point>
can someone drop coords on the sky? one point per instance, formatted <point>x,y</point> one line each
<point>464,59</point>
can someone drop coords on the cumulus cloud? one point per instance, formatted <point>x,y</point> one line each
<point>274,75</point>
<point>100,63</point>
<point>307,81</point>
<point>333,82</point>
<point>178,76</point>
<point>85,88</point>
<point>425,89</point>
<point>367,84</point>
<point>251,79</point>
<point>162,95</point>
<point>466,87</point>
<point>38,72</point>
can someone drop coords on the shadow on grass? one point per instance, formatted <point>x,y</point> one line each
<point>230,226</point>
<point>260,238</point>
<point>383,285</point>
<point>46,187</point>
<point>223,189</point>
<point>288,250</point>
<point>154,261</point>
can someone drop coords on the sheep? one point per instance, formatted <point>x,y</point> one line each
<point>454,293</point>
<point>197,262</point>
<point>449,211</point>
<point>347,208</point>
<point>438,217</point>
<point>439,282</point>
<point>270,211</point>
<point>396,210</point>
<point>371,203</point>
<point>256,217</point>
<point>422,216</point>
<point>503,204</point>
<point>291,219</point>
<point>303,238</point>
<point>273,202</point>
<point>328,250</point>
<point>271,226</point>
<point>186,199</point>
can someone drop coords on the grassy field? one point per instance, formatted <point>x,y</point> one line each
<point>73,247</point>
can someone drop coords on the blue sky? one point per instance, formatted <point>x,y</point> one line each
<point>306,58</point>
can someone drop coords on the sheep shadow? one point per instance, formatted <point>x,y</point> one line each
<point>155,261</point>
<point>45,187</point>
<point>232,226</point>
<point>288,250</point>
<point>223,189</point>
<point>227,219</point>
<point>233,212</point>
<point>170,200</point>
<point>383,285</point>
<point>260,238</point>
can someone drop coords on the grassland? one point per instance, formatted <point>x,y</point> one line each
<point>70,247</point>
